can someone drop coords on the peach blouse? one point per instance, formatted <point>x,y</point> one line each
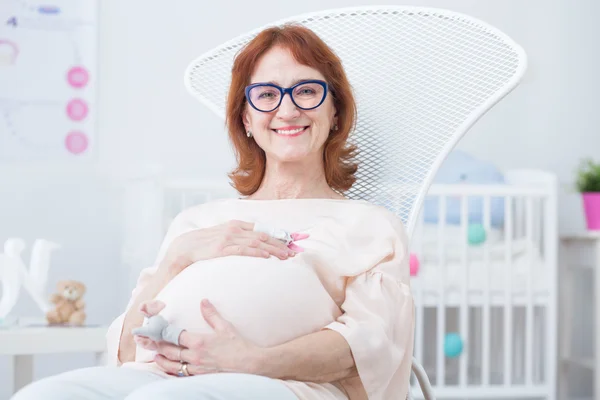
<point>353,278</point>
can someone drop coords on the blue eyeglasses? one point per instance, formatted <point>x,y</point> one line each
<point>306,95</point>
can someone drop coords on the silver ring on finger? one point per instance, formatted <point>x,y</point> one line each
<point>179,355</point>
<point>278,234</point>
<point>183,369</point>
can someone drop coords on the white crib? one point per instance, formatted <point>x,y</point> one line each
<point>500,296</point>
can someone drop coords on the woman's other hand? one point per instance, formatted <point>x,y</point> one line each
<point>228,239</point>
<point>225,350</point>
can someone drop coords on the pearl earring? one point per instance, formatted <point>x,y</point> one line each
<point>249,134</point>
<point>335,127</point>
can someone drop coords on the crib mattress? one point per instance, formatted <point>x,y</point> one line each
<point>525,279</point>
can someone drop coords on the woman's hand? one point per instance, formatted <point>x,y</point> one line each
<point>223,351</point>
<point>228,239</point>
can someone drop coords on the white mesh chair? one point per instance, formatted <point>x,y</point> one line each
<point>422,77</point>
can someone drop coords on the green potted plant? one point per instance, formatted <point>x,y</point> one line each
<point>588,184</point>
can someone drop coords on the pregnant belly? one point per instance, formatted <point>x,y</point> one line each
<point>269,301</point>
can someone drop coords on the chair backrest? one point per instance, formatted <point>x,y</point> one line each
<point>422,77</point>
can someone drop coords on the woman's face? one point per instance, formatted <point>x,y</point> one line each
<point>289,133</point>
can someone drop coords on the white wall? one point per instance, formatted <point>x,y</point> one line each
<point>150,118</point>
<point>146,117</point>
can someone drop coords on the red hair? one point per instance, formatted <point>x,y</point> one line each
<point>307,49</point>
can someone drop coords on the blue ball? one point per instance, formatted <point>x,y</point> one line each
<point>476,234</point>
<point>453,345</point>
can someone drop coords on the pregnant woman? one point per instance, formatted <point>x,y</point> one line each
<point>327,314</point>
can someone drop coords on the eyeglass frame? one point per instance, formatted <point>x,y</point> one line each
<point>283,92</point>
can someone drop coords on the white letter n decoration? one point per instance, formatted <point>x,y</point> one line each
<point>14,274</point>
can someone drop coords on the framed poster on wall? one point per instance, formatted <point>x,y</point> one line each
<point>48,77</point>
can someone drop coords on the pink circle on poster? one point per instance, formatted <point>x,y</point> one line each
<point>77,109</point>
<point>78,77</point>
<point>76,142</point>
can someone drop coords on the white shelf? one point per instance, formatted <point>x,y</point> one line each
<point>588,363</point>
<point>22,343</point>
<point>583,235</point>
<point>43,340</point>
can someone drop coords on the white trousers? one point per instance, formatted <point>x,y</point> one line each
<point>115,383</point>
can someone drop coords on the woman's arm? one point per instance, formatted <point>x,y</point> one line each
<point>319,357</point>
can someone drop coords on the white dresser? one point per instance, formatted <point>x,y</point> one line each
<point>579,252</point>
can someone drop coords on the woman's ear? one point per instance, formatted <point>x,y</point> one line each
<point>334,120</point>
<point>246,120</point>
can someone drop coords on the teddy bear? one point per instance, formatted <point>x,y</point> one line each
<point>68,303</point>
